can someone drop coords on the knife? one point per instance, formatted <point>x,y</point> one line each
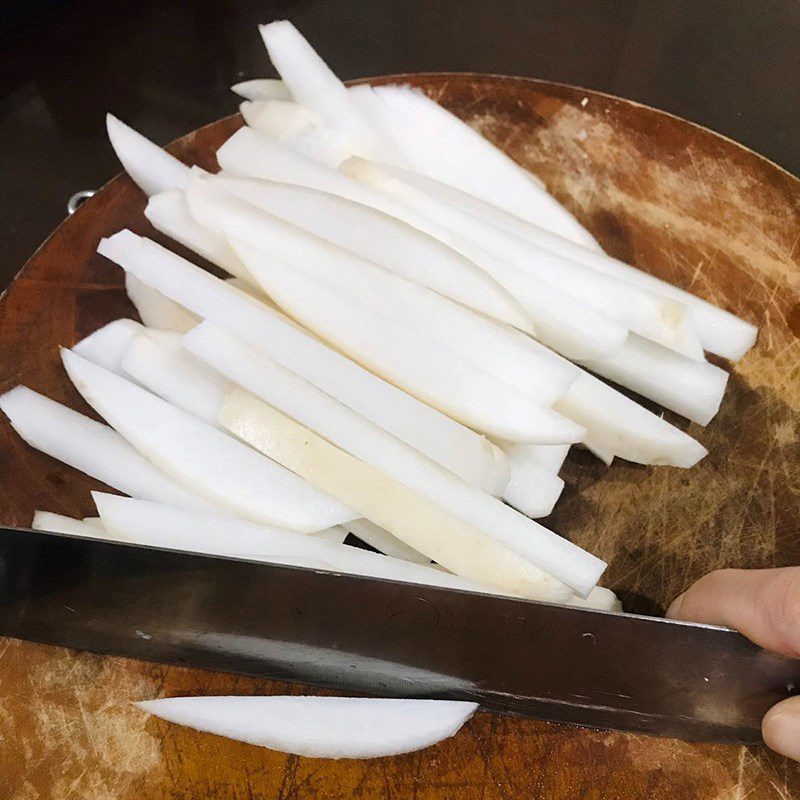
<point>384,638</point>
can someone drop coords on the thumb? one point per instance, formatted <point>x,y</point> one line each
<point>763,604</point>
<point>781,728</point>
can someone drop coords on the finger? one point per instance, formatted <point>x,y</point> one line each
<point>781,728</point>
<point>762,604</point>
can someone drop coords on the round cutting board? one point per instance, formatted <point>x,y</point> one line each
<point>664,194</point>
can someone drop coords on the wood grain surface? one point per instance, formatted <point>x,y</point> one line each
<point>658,192</point>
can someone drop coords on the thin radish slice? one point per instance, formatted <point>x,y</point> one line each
<point>57,523</point>
<point>156,310</point>
<point>573,328</point>
<point>384,542</point>
<point>505,354</point>
<point>425,429</point>
<point>439,144</point>
<point>176,376</point>
<point>532,489</point>
<point>548,456</point>
<point>107,345</point>
<point>262,89</point>
<point>320,727</point>
<point>139,522</point>
<point>151,168</point>
<point>599,599</point>
<point>599,448</point>
<point>335,534</point>
<point>436,375</point>
<point>654,316</point>
<point>618,426</point>
<point>384,239</point>
<point>95,522</point>
<point>202,458</point>
<point>245,365</point>
<point>91,447</point>
<point>349,431</point>
<point>693,389</point>
<point>169,214</point>
<point>280,119</point>
<point>505,560</point>
<point>314,86</point>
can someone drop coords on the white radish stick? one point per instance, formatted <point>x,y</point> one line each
<point>548,456</point>
<point>691,388</point>
<point>532,489</point>
<point>320,727</point>
<point>573,328</point>
<point>107,345</point>
<point>506,560</point>
<point>336,534</point>
<point>656,317</point>
<point>313,85</point>
<point>617,426</point>
<point>169,214</point>
<point>281,119</point>
<point>202,458</point>
<point>425,429</point>
<point>352,433</point>
<point>507,355</point>
<point>176,376</point>
<point>156,310</point>
<point>435,375</point>
<point>155,525</point>
<point>57,523</point>
<point>384,239</point>
<point>437,143</point>
<point>384,542</point>
<point>92,448</point>
<point>151,168</point>
<point>95,522</point>
<point>262,89</point>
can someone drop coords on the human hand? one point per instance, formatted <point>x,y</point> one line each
<point>764,605</point>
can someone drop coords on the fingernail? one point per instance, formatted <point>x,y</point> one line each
<point>781,728</point>
<point>675,607</point>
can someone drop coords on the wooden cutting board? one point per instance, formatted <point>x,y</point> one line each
<point>659,192</point>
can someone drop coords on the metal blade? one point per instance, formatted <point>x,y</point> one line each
<point>377,637</point>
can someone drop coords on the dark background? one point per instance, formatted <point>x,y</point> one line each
<point>165,68</point>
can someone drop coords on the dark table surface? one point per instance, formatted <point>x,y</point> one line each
<point>165,67</point>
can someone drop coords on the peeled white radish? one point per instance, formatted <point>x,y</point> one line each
<point>688,387</point>
<point>320,727</point>
<point>156,525</point>
<point>548,456</point>
<point>176,376</point>
<point>599,599</point>
<point>95,522</point>
<point>335,534</point>
<point>531,489</point>
<point>91,447</point>
<point>385,542</point>
<point>107,345</point>
<point>436,375</point>
<point>437,143</point>
<point>280,119</point>
<point>427,430</point>
<point>152,168</point>
<point>262,89</point>
<point>169,214</point>
<point>156,310</point>
<point>504,560</point>
<point>203,459</point>
<point>384,239</point>
<point>618,426</point>
<point>57,523</point>
<point>507,355</point>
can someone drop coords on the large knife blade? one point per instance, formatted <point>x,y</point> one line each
<point>378,637</point>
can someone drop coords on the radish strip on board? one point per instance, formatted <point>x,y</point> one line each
<point>92,448</point>
<point>693,389</point>
<point>107,345</point>
<point>548,456</point>
<point>436,375</point>
<point>151,168</point>
<point>95,522</point>
<point>501,561</point>
<point>280,119</point>
<point>439,144</point>
<point>384,542</point>
<point>169,214</point>
<point>57,523</point>
<point>384,239</point>
<point>138,522</point>
<point>262,89</point>
<point>532,489</point>
<point>425,429</point>
<point>320,727</point>
<point>507,355</point>
<point>202,458</point>
<point>156,310</point>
